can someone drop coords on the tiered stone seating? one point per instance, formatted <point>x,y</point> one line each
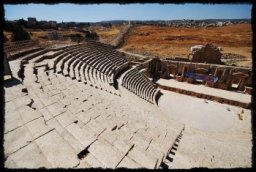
<point>109,53</point>
<point>52,63</point>
<point>63,123</point>
<point>139,85</point>
<point>69,117</point>
<point>33,55</point>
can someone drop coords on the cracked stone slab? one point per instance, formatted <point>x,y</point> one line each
<point>72,141</point>
<point>106,153</point>
<point>57,151</point>
<point>53,123</point>
<point>92,161</point>
<point>9,107</point>
<point>56,108</point>
<point>66,119</point>
<point>96,126</point>
<point>84,135</point>
<point>13,120</point>
<point>128,163</point>
<point>16,139</point>
<point>83,117</point>
<point>45,99</point>
<point>156,152</point>
<point>38,127</point>
<point>28,157</point>
<point>22,101</point>
<point>28,114</point>
<point>142,158</point>
<point>47,115</point>
<point>140,142</point>
<point>83,164</point>
<point>118,142</point>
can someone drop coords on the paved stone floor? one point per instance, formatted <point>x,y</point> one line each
<point>206,90</point>
<point>213,137</point>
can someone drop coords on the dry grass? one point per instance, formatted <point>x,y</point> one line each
<point>110,33</point>
<point>235,39</point>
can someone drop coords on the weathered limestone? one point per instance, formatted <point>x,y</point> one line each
<point>72,141</point>
<point>28,114</point>
<point>103,150</point>
<point>64,156</point>
<point>84,135</point>
<point>129,163</point>
<point>13,120</point>
<point>30,157</point>
<point>142,158</point>
<point>56,108</point>
<point>92,161</point>
<point>38,127</point>
<point>16,139</point>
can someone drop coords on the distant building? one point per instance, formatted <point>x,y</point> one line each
<point>44,23</point>
<point>72,24</point>
<point>31,21</point>
<point>219,24</point>
<point>53,23</point>
<point>54,35</point>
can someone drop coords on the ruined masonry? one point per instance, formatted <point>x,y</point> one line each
<point>69,110</point>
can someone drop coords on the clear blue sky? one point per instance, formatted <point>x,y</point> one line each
<point>94,13</point>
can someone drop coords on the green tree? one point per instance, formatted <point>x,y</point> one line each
<point>22,22</point>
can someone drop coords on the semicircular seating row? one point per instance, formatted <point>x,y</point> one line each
<point>137,83</point>
<point>85,63</point>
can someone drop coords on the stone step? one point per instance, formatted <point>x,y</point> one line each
<point>106,153</point>
<point>61,62</point>
<point>77,71</point>
<point>52,63</point>
<point>72,68</point>
<point>84,135</point>
<point>82,74</point>
<point>64,156</point>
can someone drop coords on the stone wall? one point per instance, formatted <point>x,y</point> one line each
<point>222,71</point>
<point>209,54</point>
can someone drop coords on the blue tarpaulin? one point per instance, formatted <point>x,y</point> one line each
<point>201,77</point>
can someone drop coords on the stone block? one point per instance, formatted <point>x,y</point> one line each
<point>57,151</point>
<point>128,163</point>
<point>72,141</point>
<point>56,108</point>
<point>91,160</point>
<point>30,157</point>
<point>38,127</point>
<point>66,118</point>
<point>53,123</point>
<point>84,135</point>
<point>142,158</point>
<point>13,120</point>
<point>16,139</point>
<point>106,153</point>
<point>28,114</point>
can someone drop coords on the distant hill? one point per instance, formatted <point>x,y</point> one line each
<point>125,21</point>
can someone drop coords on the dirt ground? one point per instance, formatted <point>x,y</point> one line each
<point>110,33</point>
<point>171,41</point>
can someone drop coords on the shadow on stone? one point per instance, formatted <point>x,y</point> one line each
<point>11,82</point>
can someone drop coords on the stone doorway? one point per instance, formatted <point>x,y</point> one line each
<point>238,81</point>
<point>172,71</point>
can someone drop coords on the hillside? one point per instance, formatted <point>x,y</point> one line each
<point>170,41</point>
